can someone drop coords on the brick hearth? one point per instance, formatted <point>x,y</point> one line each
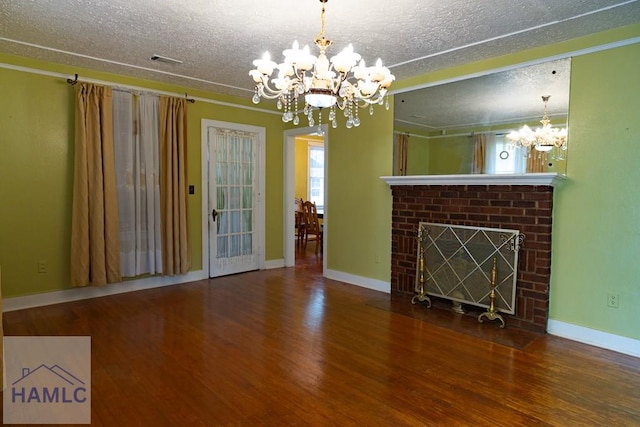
<point>527,208</point>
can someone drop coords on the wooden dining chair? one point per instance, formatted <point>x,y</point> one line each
<point>313,227</point>
<point>299,222</point>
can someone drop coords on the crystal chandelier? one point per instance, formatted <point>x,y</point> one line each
<point>544,138</point>
<point>344,82</point>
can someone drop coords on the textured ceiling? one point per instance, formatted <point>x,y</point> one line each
<point>218,40</point>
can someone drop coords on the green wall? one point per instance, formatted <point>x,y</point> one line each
<point>450,155</point>
<point>36,158</point>
<point>301,168</point>
<point>596,231</point>
<point>439,156</point>
<point>417,156</point>
<point>358,201</point>
<point>36,170</point>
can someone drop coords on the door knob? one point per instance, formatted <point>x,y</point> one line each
<point>214,214</point>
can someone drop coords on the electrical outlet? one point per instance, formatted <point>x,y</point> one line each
<point>613,300</point>
<point>42,267</point>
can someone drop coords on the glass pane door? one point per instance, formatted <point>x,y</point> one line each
<point>232,179</point>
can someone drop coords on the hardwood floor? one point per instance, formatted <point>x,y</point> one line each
<point>288,347</point>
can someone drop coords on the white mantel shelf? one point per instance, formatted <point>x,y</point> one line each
<point>550,179</point>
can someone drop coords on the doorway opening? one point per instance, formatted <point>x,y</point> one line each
<point>314,189</point>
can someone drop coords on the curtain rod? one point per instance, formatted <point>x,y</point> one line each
<point>497,132</point>
<point>431,137</point>
<point>104,82</point>
<point>74,81</point>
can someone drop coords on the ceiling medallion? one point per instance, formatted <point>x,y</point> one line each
<point>344,82</point>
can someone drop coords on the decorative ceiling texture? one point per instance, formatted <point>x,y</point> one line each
<point>218,40</point>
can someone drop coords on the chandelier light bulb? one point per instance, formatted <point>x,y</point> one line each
<point>367,87</point>
<point>286,69</point>
<point>377,72</point>
<point>360,71</point>
<point>345,60</point>
<point>293,52</point>
<point>265,65</point>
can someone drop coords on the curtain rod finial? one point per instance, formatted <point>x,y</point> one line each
<point>74,81</point>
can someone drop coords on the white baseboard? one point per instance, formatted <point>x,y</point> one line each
<point>75,294</point>
<point>365,282</point>
<point>274,263</point>
<point>594,337</point>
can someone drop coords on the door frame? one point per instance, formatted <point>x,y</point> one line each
<point>289,142</point>
<point>260,176</point>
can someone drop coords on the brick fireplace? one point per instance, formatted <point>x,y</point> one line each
<point>520,202</point>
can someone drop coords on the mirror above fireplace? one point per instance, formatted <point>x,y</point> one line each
<point>443,121</point>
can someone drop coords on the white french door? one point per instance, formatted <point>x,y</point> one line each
<point>236,231</point>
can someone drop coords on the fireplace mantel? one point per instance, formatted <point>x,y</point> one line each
<point>549,179</point>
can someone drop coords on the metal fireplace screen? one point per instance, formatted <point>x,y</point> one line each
<point>458,262</point>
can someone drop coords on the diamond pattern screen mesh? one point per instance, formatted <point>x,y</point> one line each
<point>459,259</point>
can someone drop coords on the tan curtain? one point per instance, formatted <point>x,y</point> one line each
<point>479,152</point>
<point>536,160</point>
<point>400,165</point>
<point>176,256</point>
<point>95,245</point>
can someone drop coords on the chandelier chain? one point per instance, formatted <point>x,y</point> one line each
<point>322,26</point>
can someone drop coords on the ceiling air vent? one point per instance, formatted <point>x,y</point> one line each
<point>165,59</point>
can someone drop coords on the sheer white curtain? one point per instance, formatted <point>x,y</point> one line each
<point>502,157</point>
<point>149,240</point>
<point>137,160</point>
<point>491,153</point>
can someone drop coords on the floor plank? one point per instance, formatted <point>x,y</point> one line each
<point>288,347</point>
